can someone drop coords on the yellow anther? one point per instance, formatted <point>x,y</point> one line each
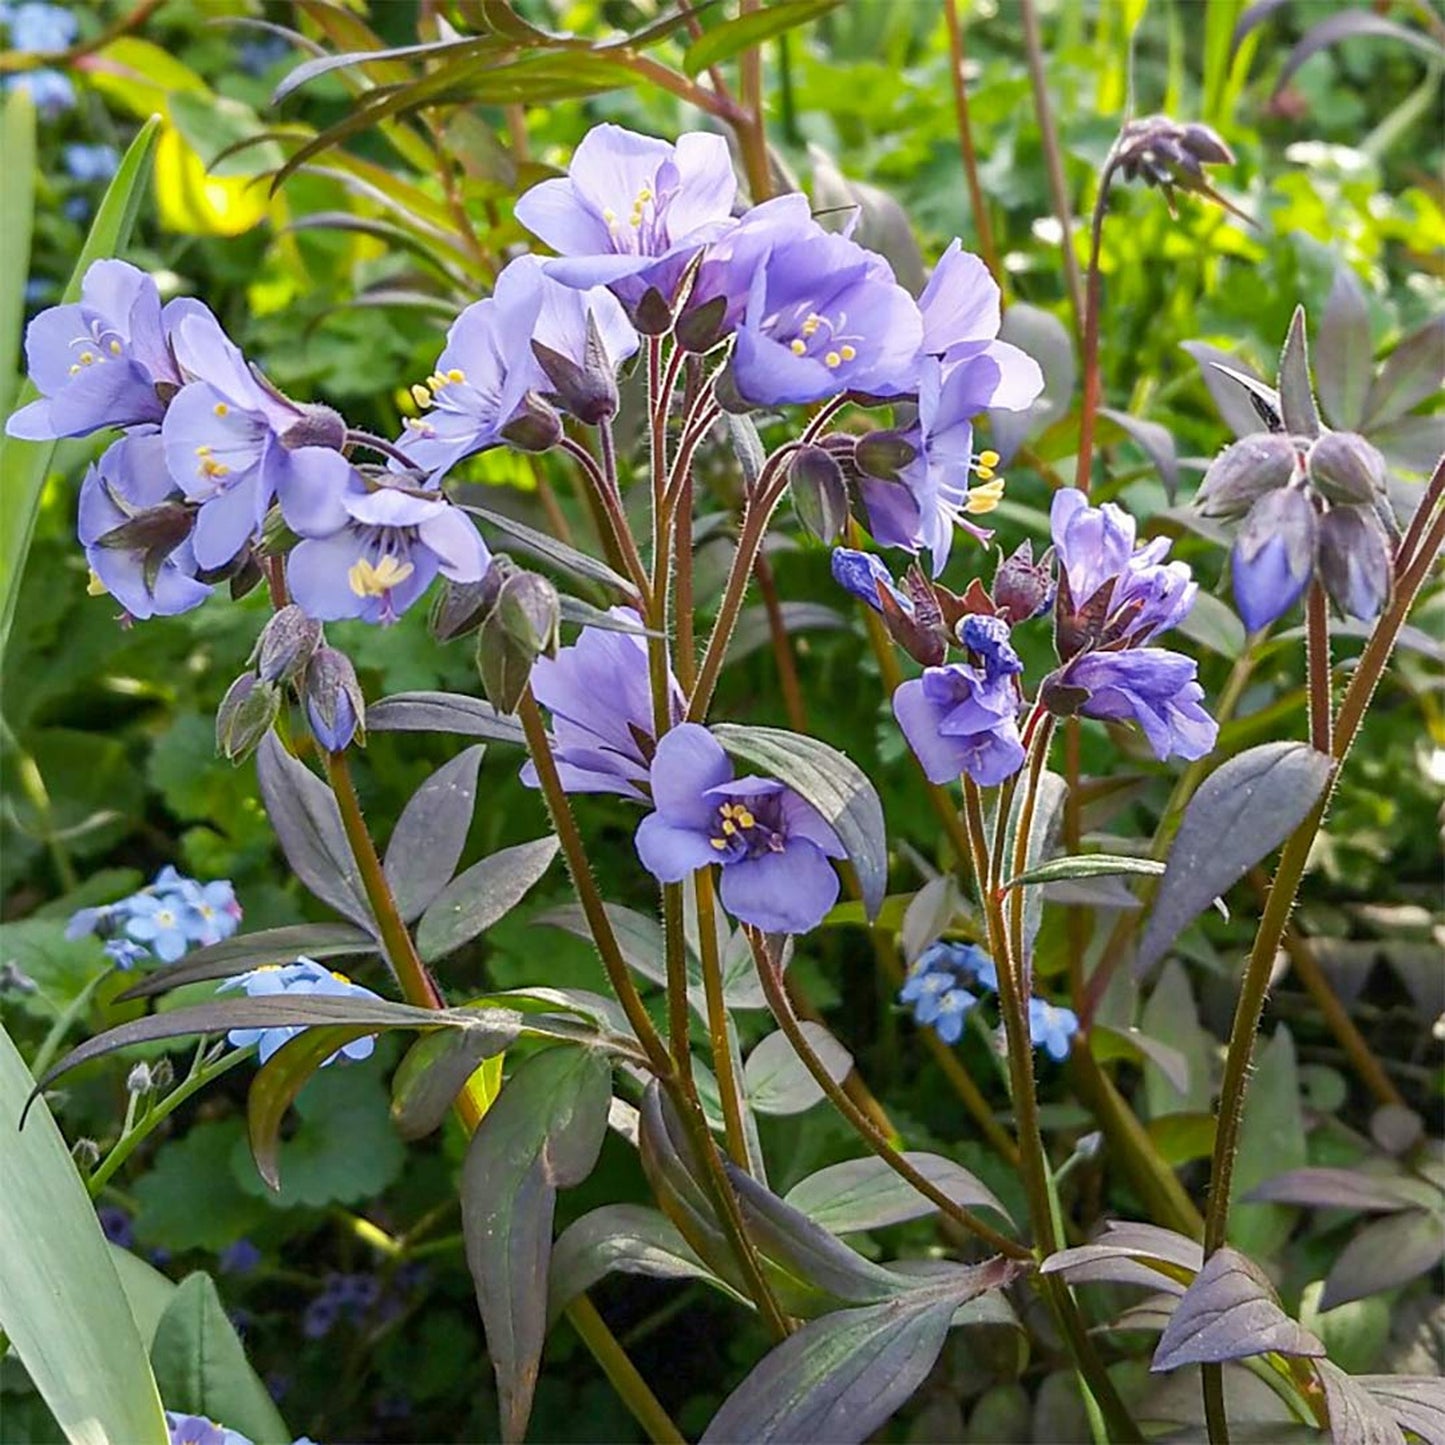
<point>86,357</point>
<point>984,474</point>
<point>643,197</point>
<point>74,370</point>
<point>456,374</point>
<point>203,451</point>
<point>610,216</point>
<point>832,359</point>
<point>797,346</point>
<point>988,459</point>
<point>221,409</point>
<point>847,352</point>
<point>745,818</point>
<point>339,977</point>
<point>215,470</point>
<point>420,395</point>
<point>436,381</point>
<point>984,498</point>
<point>114,348</point>
<point>635,219</point>
<point>719,843</point>
<point>813,322</point>
<point>268,968</point>
<point>729,827</point>
<point>369,581</point>
<point>95,587</point>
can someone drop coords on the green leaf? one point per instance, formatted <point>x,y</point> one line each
<point>569,559</point>
<point>1044,825</point>
<point>726,40</point>
<point>1271,1140</point>
<point>544,1133</point>
<point>834,784</point>
<point>1172,1017</point>
<point>426,844</point>
<point>202,1369</point>
<point>437,1067</point>
<point>17,217</point>
<point>24,465</point>
<point>866,1194</point>
<point>775,1079</point>
<point>442,712</point>
<point>475,900</point>
<point>173,1213</point>
<point>1086,865</point>
<point>61,1302</point>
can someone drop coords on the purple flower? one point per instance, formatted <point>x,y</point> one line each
<point>99,362</point>
<point>394,542</point>
<point>773,846</point>
<point>136,531</point>
<point>862,574</point>
<point>91,162</point>
<point>632,211</point>
<point>599,693</point>
<point>232,445</point>
<point>960,307</point>
<point>1146,685</point>
<point>964,719</point>
<point>1274,555</point>
<point>1093,544</point>
<point>989,638</point>
<point>823,317</point>
<point>197,1430</point>
<point>240,1257</point>
<point>305,976</point>
<point>1052,1028</point>
<point>38,29</point>
<point>88,920</point>
<point>50,92</point>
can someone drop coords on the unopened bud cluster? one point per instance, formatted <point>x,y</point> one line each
<point>1162,152</point>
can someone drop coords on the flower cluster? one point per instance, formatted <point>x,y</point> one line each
<point>166,919</point>
<point>1111,601</point>
<point>349,1297</point>
<point>37,29</point>
<point>304,977</point>
<point>947,980</point>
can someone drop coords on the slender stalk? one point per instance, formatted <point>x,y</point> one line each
<point>1038,757</point>
<point>564,824</point>
<point>1053,156</point>
<point>620,1370</point>
<point>782,646</point>
<point>1092,382</point>
<point>752,132</point>
<point>679,1016</point>
<point>1075,924</point>
<point>64,1021</point>
<point>604,482</point>
<point>977,204</point>
<point>686,649</point>
<point>723,1060</point>
<point>1317,654</point>
<point>782,1008</point>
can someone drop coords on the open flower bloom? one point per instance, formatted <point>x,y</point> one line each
<point>104,360</point>
<point>394,542</point>
<point>773,846</point>
<point>599,693</point>
<point>1052,1028</point>
<point>233,445</point>
<point>632,211</point>
<point>961,317</point>
<point>198,1430</point>
<point>1150,686</point>
<point>136,531</point>
<point>305,976</point>
<point>824,316</point>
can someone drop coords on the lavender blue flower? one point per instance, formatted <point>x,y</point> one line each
<point>989,637</point>
<point>136,531</point>
<point>115,1225</point>
<point>823,317</point>
<point>241,1257</point>
<point>1052,1028</point>
<point>158,922</point>
<point>1274,555</point>
<point>862,574</point>
<point>124,953</point>
<point>1150,686</point>
<point>198,1430</point>
<point>962,719</point>
<point>305,976</point>
<point>38,29</point>
<point>961,317</point>
<point>50,92</point>
<point>103,360</point>
<point>168,917</point>
<point>937,986</point>
<point>599,693</point>
<point>89,163</point>
<point>393,542</point>
<point>632,211</point>
<point>773,846</point>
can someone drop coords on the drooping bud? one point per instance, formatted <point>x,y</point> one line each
<point>1344,467</point>
<point>247,574</point>
<point>820,496</point>
<point>536,427</point>
<point>588,391</point>
<point>652,315</point>
<point>700,328</point>
<point>521,627</point>
<point>86,1153</point>
<point>883,454</point>
<point>317,426</point>
<point>163,1075</point>
<point>285,645</point>
<point>335,707</point>
<point>1244,471</point>
<point>1060,696</point>
<point>245,716</point>
<point>1023,588</point>
<point>726,394</point>
<point>1274,555</point>
<point>1355,562</point>
<point>460,606</point>
<point>138,1081</point>
<point>1161,152</point>
<point>14,979</point>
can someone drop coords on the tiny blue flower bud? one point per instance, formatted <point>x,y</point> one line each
<point>335,707</point>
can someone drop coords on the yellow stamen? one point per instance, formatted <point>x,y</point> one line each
<point>719,843</point>
<point>203,451</point>
<point>797,346</point>
<point>456,374</point>
<point>984,498</point>
<point>221,409</point>
<point>729,827</point>
<point>847,352</point>
<point>115,348</point>
<point>610,216</point>
<point>95,587</point>
<point>988,459</point>
<point>420,395</point>
<point>832,359</point>
<point>86,357</point>
<point>813,322</point>
<point>369,581</point>
<point>74,369</point>
<point>984,474</point>
<point>745,818</point>
<point>216,470</point>
<point>339,977</point>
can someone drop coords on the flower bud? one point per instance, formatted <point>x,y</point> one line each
<point>1023,588</point>
<point>245,716</point>
<point>1355,562</point>
<point>335,707</point>
<point>460,606</point>
<point>163,1075</point>
<point>317,426</point>
<point>86,1153</point>
<point>1244,471</point>
<point>1164,153</point>
<point>915,620</point>
<point>285,645</point>
<point>652,316</point>
<point>1274,555</point>
<point>246,574</point>
<point>883,454</point>
<point>520,628</point>
<point>138,1081</point>
<point>700,328</point>
<point>588,391</point>
<point>1345,468</point>
<point>820,496</point>
<point>726,394</point>
<point>156,531</point>
<point>14,979</point>
<point>535,427</point>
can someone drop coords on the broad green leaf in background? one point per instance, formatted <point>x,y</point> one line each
<point>61,1302</point>
<point>750,29</point>
<point>24,465</point>
<point>17,217</point>
<point>1271,1139</point>
<point>201,1366</point>
<point>426,844</point>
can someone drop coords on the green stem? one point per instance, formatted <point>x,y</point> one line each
<point>64,1023</point>
<point>679,1016</point>
<point>977,204</point>
<point>782,1008</point>
<point>719,1030</point>
<point>1092,382</point>
<point>620,1370</point>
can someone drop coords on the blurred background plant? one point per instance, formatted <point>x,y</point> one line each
<point>349,1287</point>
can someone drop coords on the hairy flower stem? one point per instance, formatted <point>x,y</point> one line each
<point>771,974</point>
<point>1033,1161</point>
<point>1317,653</point>
<point>724,1050</point>
<point>1089,407</point>
<point>679,1018</point>
<point>604,489</point>
<point>1255,986</point>
<point>1038,757</point>
<point>1053,156</point>
<point>977,204</point>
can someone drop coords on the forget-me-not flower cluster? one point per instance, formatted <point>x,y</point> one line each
<point>164,920</point>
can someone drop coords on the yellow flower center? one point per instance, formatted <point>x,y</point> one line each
<point>369,581</point>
